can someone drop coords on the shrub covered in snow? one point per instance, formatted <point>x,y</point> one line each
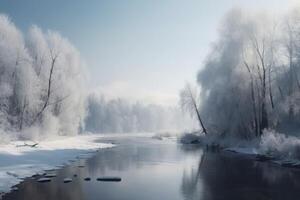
<point>279,145</point>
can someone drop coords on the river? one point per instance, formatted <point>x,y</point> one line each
<point>164,170</point>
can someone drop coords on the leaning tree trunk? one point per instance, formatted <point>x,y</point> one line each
<point>198,115</point>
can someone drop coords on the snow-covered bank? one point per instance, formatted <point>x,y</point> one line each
<point>18,161</point>
<point>271,146</point>
<point>166,136</point>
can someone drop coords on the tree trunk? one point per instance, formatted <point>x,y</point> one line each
<point>198,114</point>
<point>253,99</point>
<point>46,103</point>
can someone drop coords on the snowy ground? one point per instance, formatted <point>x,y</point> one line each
<point>18,161</point>
<point>276,147</point>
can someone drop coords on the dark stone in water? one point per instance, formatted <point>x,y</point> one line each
<point>87,179</point>
<point>75,175</point>
<point>111,179</point>
<point>67,180</point>
<point>43,180</point>
<point>81,166</point>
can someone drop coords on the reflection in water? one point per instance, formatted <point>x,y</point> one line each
<point>162,170</point>
<point>191,186</point>
<point>231,176</point>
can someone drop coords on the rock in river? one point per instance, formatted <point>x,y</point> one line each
<point>109,178</point>
<point>67,180</point>
<point>43,180</point>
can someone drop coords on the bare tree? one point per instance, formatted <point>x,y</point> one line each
<point>47,99</point>
<point>262,72</point>
<point>290,45</point>
<point>258,59</point>
<point>253,99</point>
<point>188,102</point>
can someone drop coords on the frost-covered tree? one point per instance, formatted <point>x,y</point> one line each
<point>17,77</point>
<point>250,79</point>
<point>63,92</point>
<point>222,81</point>
<point>189,102</point>
<point>41,76</point>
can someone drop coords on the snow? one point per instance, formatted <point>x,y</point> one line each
<point>276,147</point>
<point>165,136</point>
<point>280,145</point>
<point>18,161</point>
<point>282,149</point>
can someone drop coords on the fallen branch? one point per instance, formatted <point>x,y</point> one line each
<point>28,145</point>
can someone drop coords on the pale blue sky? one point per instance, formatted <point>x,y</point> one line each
<point>139,49</point>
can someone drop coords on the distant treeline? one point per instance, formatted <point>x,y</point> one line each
<point>119,115</point>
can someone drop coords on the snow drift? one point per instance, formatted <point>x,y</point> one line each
<point>280,145</point>
<point>18,161</point>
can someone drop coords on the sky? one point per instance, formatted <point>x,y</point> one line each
<point>136,49</point>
